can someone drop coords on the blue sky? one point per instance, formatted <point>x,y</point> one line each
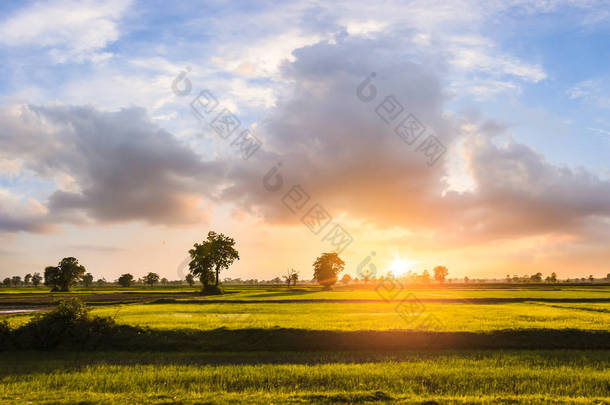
<point>537,72</point>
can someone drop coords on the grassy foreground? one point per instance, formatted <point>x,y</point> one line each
<point>477,377</point>
<point>275,346</point>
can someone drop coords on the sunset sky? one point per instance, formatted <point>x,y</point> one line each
<point>102,159</point>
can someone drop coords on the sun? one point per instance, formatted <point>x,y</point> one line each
<point>399,266</point>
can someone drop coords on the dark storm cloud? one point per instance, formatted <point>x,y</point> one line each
<point>123,167</point>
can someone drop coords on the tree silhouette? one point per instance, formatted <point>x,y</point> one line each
<point>440,273</point>
<point>295,277</point>
<point>190,279</point>
<point>151,278</point>
<point>27,279</point>
<point>216,253</point>
<point>36,279</point>
<point>125,280</point>
<point>88,279</point>
<point>67,273</point>
<point>326,268</point>
<point>346,279</point>
<point>292,276</point>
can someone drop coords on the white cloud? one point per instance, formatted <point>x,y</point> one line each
<point>19,213</point>
<point>592,92</point>
<point>71,30</point>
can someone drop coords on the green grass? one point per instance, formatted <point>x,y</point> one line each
<point>356,316</point>
<point>369,316</point>
<point>253,377</point>
<point>525,377</point>
<point>452,292</point>
<point>263,292</point>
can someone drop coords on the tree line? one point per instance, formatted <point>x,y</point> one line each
<point>217,253</point>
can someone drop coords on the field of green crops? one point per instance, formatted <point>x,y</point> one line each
<point>251,375</point>
<point>447,377</point>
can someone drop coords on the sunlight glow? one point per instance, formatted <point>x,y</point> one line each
<point>400,265</point>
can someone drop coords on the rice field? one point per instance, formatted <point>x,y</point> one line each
<point>243,372</point>
<point>482,377</point>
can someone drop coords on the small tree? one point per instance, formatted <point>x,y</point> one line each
<point>466,280</point>
<point>536,278</point>
<point>291,276</point>
<point>591,278</point>
<point>16,280</point>
<point>6,282</point>
<point>440,273</point>
<point>425,277</point>
<point>36,279</point>
<point>216,253</point>
<point>346,279</point>
<point>27,279</point>
<point>164,281</point>
<point>295,277</point>
<point>326,268</point>
<point>125,280</point>
<point>190,279</point>
<point>151,279</point>
<point>88,280</point>
<point>67,273</point>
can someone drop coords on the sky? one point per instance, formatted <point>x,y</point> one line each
<point>403,135</point>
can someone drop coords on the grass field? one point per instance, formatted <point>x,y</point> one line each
<point>407,377</point>
<point>214,349</point>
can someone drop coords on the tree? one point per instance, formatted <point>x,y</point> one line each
<point>440,273</point>
<point>590,277</point>
<point>151,279</point>
<point>163,281</point>
<point>326,268</point>
<point>425,276</point>
<point>16,280</point>
<point>466,280</point>
<point>216,253</point>
<point>27,279</point>
<point>125,280</point>
<point>346,279</point>
<point>295,278</point>
<point>6,282</point>
<point>608,276</point>
<point>36,279</point>
<point>88,280</point>
<point>553,277</point>
<point>190,279</point>
<point>67,273</point>
<point>536,277</point>
<point>291,276</point>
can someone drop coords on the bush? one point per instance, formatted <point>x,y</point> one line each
<point>212,290</point>
<point>68,325</point>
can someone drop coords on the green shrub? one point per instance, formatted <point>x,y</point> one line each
<point>68,325</point>
<point>212,290</point>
